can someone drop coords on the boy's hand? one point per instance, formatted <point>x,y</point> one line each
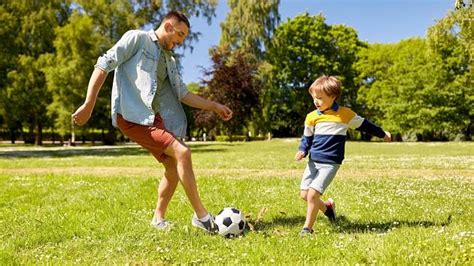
<point>299,155</point>
<point>388,137</point>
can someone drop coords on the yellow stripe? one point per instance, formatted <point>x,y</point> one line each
<point>342,115</point>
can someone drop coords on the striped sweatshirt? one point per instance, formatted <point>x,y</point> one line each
<point>325,133</point>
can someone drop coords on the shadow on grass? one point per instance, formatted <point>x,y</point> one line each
<point>279,221</point>
<point>135,150</point>
<point>344,225</point>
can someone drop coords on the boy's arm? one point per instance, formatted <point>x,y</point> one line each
<point>306,139</point>
<point>371,128</point>
<point>366,126</point>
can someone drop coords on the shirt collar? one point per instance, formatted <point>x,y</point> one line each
<point>334,107</point>
<point>152,35</point>
<point>154,38</point>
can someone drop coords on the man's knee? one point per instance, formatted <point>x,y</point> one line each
<point>178,151</point>
<point>183,153</point>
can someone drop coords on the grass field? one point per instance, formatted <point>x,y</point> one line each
<point>398,203</point>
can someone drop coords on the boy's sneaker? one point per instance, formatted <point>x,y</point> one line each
<point>162,225</point>
<point>306,232</point>
<point>331,210</point>
<point>209,226</point>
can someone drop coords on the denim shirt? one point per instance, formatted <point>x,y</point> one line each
<point>135,61</point>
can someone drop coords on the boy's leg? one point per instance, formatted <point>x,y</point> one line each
<point>304,195</point>
<point>322,204</point>
<point>314,202</point>
<point>166,188</point>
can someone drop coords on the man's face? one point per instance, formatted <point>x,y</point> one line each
<point>176,32</point>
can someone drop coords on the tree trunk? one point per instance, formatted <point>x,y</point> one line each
<point>39,134</point>
<point>12,135</point>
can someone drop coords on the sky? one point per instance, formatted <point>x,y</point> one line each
<point>376,21</point>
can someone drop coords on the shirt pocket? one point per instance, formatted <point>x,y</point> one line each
<point>147,61</point>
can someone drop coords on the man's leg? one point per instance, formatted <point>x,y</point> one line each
<point>185,172</point>
<point>166,188</point>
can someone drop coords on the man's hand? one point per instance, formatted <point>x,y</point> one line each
<point>223,111</point>
<point>299,155</point>
<point>82,115</point>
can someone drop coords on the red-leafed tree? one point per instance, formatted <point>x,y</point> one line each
<point>230,82</point>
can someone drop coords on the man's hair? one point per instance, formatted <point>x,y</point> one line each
<point>329,85</point>
<point>179,16</point>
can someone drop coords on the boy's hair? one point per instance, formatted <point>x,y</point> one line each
<point>329,85</point>
<point>179,16</point>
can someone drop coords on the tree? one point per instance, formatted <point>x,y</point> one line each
<point>231,83</point>
<point>94,27</point>
<point>451,41</point>
<point>26,95</point>
<point>301,50</point>
<point>394,79</point>
<point>249,24</point>
<point>8,52</point>
<point>68,71</point>
<point>247,27</point>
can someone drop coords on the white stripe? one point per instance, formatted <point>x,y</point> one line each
<point>308,130</point>
<point>330,128</point>
<point>356,121</point>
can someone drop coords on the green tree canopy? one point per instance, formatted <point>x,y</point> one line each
<point>249,24</point>
<point>302,49</point>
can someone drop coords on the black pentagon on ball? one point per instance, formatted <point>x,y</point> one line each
<point>234,210</point>
<point>227,221</point>
<point>229,235</point>
<point>241,225</point>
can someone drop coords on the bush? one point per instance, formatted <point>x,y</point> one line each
<point>238,138</point>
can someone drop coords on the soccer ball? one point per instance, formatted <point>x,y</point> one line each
<point>230,221</point>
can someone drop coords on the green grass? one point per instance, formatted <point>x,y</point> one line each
<point>398,203</point>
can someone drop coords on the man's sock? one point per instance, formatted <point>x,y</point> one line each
<point>205,218</point>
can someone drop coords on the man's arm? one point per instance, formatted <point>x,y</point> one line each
<point>83,113</point>
<point>197,101</point>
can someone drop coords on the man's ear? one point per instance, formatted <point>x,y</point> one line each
<point>168,26</point>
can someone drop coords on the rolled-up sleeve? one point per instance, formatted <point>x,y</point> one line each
<point>125,48</point>
<point>177,83</point>
<point>182,90</point>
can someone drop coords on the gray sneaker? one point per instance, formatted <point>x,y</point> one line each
<point>306,232</point>
<point>209,226</point>
<point>163,225</point>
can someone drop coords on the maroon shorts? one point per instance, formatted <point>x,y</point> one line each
<point>154,138</point>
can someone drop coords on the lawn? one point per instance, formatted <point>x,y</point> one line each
<point>398,203</point>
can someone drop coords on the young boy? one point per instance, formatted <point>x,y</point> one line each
<point>324,139</point>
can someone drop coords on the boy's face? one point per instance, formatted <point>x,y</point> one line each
<point>322,101</point>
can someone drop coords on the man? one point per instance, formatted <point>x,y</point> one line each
<point>146,106</point>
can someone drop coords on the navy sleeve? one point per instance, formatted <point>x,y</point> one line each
<point>371,128</point>
<point>305,144</point>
